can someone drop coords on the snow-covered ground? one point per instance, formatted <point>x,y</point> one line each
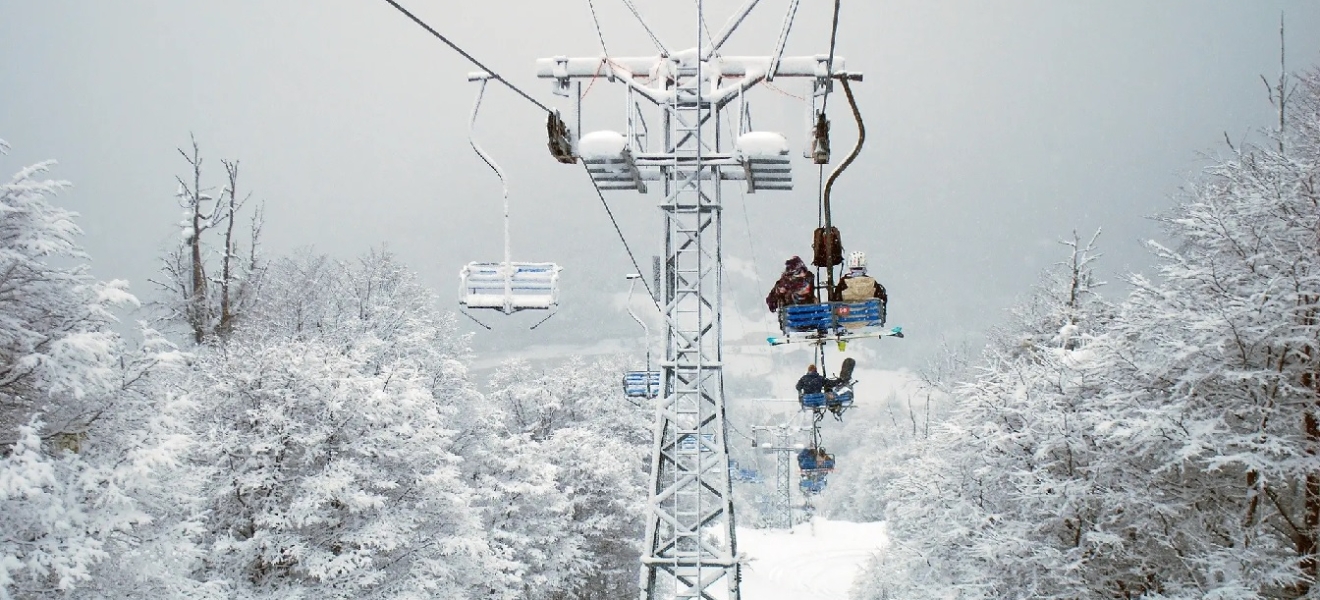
<point>816,560</point>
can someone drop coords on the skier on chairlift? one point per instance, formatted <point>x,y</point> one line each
<point>857,286</point>
<point>797,285</point>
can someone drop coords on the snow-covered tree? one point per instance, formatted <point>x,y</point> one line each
<point>86,443</point>
<point>56,343</point>
<point>329,481</point>
<point>1008,497</point>
<point>331,418</point>
<point>206,297</point>
<point>1217,396</point>
<point>572,421</point>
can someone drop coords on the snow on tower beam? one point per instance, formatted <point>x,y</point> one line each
<point>645,67</point>
<point>653,76</point>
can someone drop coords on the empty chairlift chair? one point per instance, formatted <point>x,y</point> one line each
<point>509,286</point>
<point>641,384</point>
<point>764,156</point>
<point>506,286</point>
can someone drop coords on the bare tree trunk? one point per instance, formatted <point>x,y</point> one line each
<point>197,308</point>
<point>1306,539</point>
<point>226,261</point>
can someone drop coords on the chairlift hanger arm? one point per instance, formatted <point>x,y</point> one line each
<point>861,139</point>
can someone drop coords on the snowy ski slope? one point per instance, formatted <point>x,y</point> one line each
<point>816,561</point>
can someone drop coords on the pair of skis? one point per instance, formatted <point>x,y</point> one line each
<point>841,337</point>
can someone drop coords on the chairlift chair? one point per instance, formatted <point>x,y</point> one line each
<point>744,474</point>
<point>812,484</point>
<point>641,384</point>
<point>814,464</point>
<point>506,286</point>
<point>510,286</point>
<point>833,317</point>
<point>815,460</point>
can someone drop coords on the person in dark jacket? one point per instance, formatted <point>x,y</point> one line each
<point>810,383</point>
<point>797,285</point>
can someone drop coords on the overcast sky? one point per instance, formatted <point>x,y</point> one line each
<point>994,129</point>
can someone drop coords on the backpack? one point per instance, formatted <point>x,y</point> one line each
<point>826,247</point>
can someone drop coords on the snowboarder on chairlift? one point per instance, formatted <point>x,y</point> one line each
<point>857,286</point>
<point>797,285</point>
<point>811,382</point>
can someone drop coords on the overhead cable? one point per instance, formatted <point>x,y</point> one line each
<point>654,40</point>
<point>599,34</point>
<point>470,58</point>
<point>829,63</point>
<point>626,248</point>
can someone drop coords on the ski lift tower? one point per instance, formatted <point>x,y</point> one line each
<point>785,450</point>
<point>690,550</point>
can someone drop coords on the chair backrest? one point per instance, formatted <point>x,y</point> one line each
<point>813,484</point>
<point>816,400</point>
<point>641,384</point>
<point>808,317</point>
<point>509,287</point>
<point>829,315</point>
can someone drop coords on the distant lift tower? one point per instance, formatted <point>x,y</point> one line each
<point>780,441</point>
<point>690,550</point>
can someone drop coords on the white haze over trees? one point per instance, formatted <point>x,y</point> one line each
<point>306,426</point>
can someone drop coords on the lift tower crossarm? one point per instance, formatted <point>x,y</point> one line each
<point>724,66</point>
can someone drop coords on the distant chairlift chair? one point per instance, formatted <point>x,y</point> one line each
<point>814,464</point>
<point>505,286</point>
<point>641,384</point>
<point>837,396</point>
<point>644,383</point>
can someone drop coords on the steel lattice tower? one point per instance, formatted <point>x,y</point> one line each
<point>690,549</point>
<point>784,450</point>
